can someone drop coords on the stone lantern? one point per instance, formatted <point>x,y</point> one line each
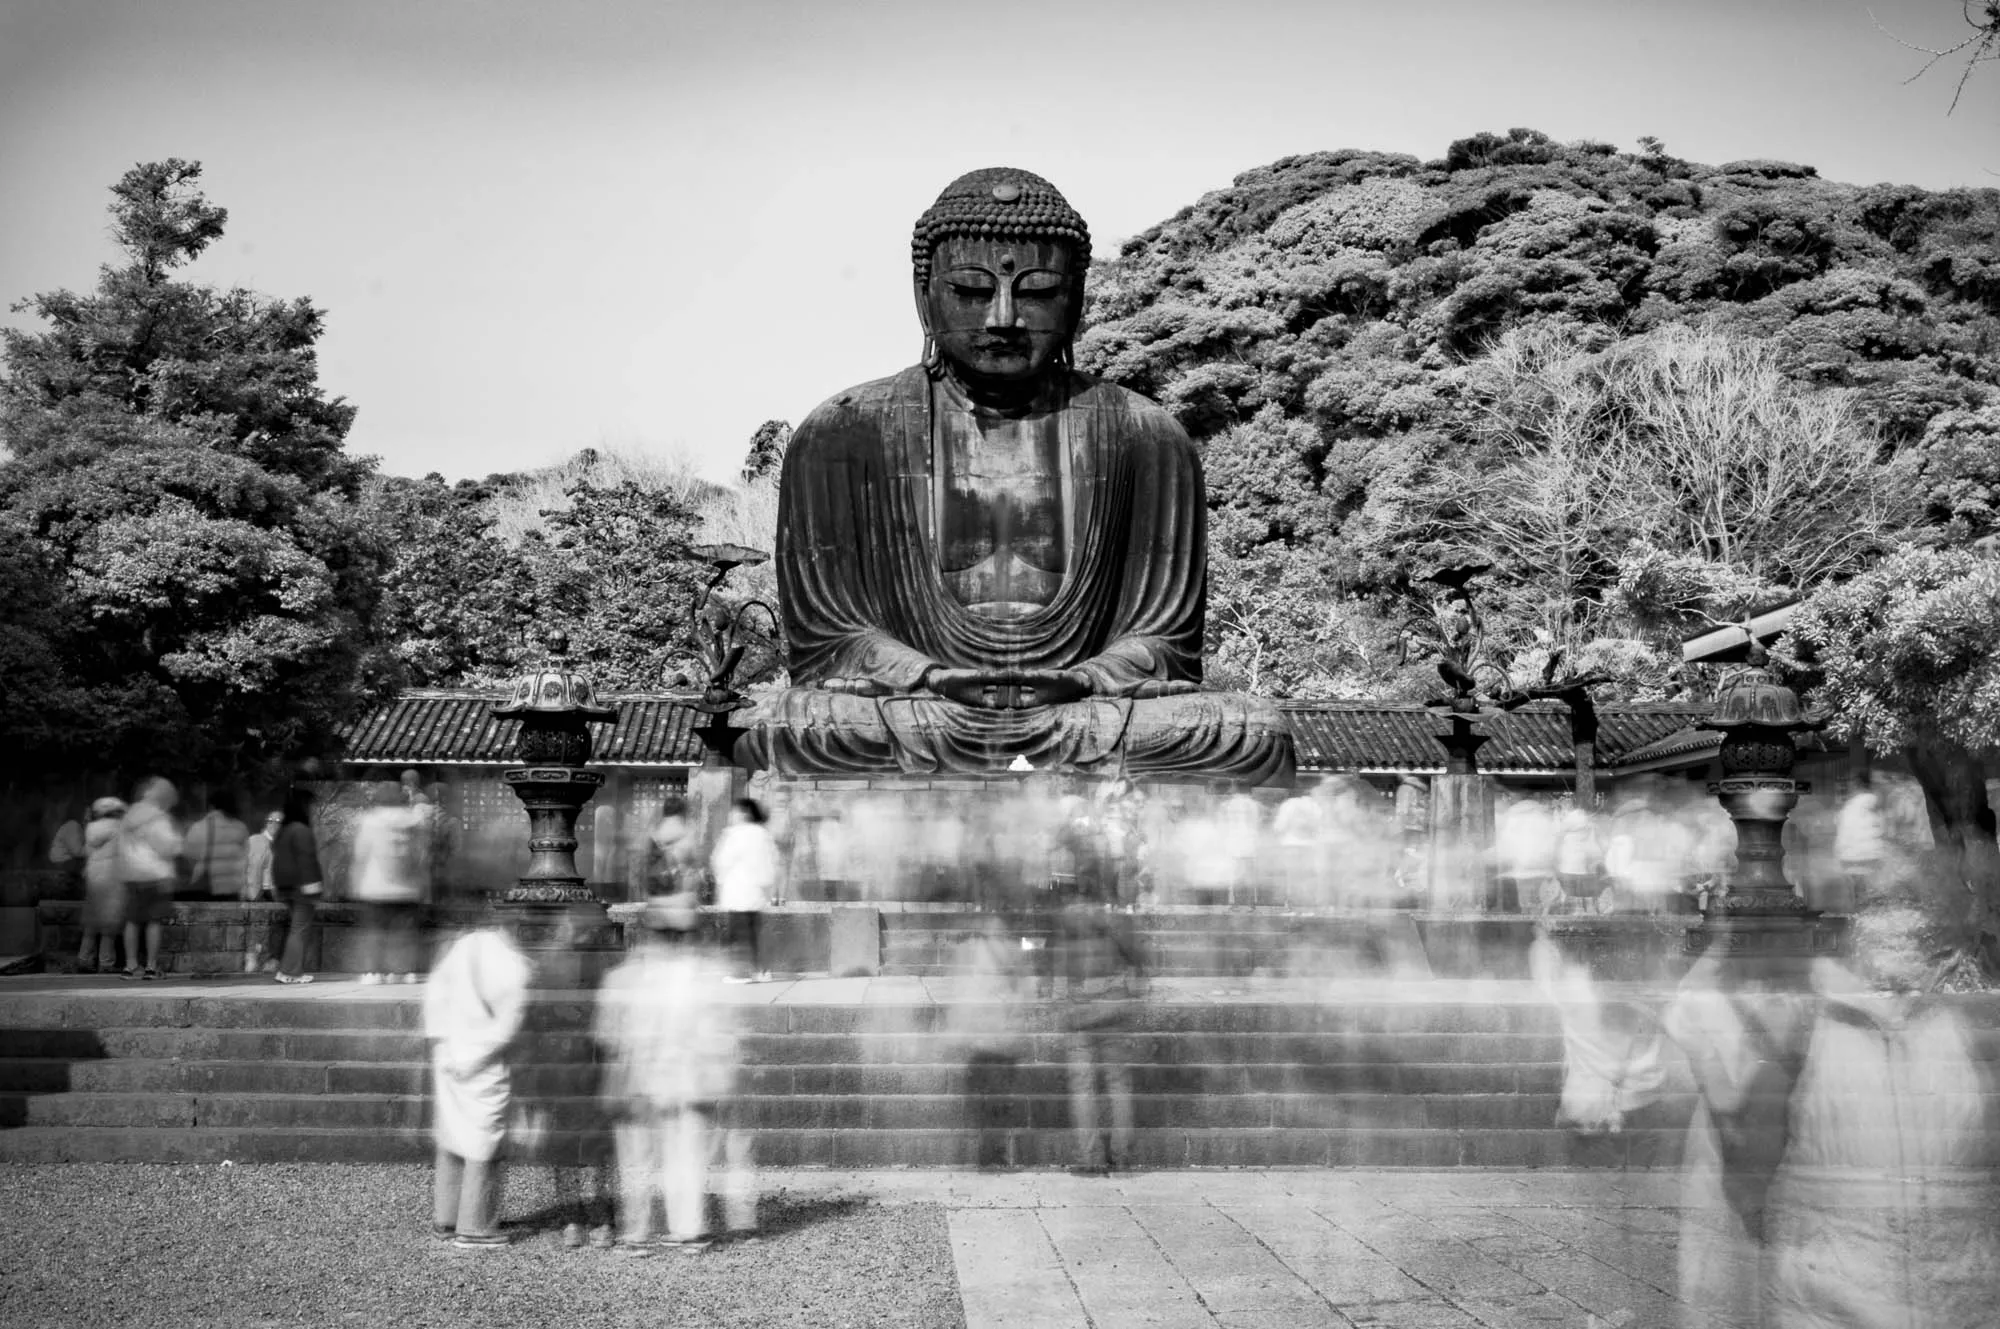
<point>1757,716</point>
<point>555,705</point>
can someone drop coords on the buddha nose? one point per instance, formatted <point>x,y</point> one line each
<point>1001,313</point>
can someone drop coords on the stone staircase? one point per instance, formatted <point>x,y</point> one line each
<point>841,1073</point>
<point>235,1071</point>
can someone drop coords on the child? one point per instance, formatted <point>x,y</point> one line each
<point>472,1010</point>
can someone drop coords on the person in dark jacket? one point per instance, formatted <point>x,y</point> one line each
<point>296,876</point>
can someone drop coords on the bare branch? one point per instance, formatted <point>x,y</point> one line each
<point>1983,17</point>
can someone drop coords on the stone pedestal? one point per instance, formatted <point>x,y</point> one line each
<point>1461,822</point>
<point>1462,843</point>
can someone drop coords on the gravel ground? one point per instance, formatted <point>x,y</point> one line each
<point>284,1244</point>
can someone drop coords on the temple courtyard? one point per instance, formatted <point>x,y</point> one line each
<point>270,1244</point>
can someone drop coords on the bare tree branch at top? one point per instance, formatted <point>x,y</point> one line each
<point>1980,46</point>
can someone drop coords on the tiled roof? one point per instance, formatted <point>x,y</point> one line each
<point>454,728</point>
<point>1384,736</point>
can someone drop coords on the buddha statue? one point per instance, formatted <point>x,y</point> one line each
<point>990,557</point>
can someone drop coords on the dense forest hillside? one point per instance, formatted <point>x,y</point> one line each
<point>1648,390</point>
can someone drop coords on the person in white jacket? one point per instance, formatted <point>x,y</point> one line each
<point>388,877</point>
<point>472,1011</point>
<point>745,864</point>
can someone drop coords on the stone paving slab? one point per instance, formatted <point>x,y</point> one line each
<point>1255,1249</point>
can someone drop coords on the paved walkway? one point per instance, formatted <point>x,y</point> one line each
<point>1457,1249</point>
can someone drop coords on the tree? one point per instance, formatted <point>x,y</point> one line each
<point>767,450</point>
<point>617,572</point>
<point>458,602</point>
<point>236,369</point>
<point>200,575</point>
<point>1908,656</point>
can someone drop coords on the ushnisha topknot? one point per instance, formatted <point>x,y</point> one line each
<point>999,203</point>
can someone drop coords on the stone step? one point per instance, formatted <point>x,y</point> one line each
<point>870,1148</point>
<point>78,1016</point>
<point>885,1111</point>
<point>131,1075</point>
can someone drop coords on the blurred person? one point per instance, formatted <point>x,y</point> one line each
<point>473,1008</point>
<point>670,1051</point>
<point>1644,858</point>
<point>1075,859</point>
<point>1242,823</point>
<point>1299,826</point>
<point>673,852</point>
<point>1614,1066</point>
<point>1711,853</point>
<point>103,892</point>
<point>148,845</point>
<point>1742,1023</point>
<point>298,883</point>
<point>388,879</point>
<point>215,849</point>
<point>1860,846</point>
<point>944,840</point>
<point>990,985</point>
<point>440,831</point>
<point>1883,1213</point>
<point>745,865</point>
<point>257,885</point>
<point>558,1120</point>
<point>1579,858</point>
<point>1101,960</point>
<point>1525,851</point>
<point>67,852</point>
<point>832,860</point>
<point>1208,861</point>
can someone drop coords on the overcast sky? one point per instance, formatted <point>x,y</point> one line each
<point>537,226</point>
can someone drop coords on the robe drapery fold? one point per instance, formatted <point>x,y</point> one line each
<point>858,571</point>
<point>864,597</point>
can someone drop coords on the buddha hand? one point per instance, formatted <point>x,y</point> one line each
<point>857,687</point>
<point>1009,690</point>
<point>1165,687</point>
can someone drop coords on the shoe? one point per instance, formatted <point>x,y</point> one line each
<point>269,966</point>
<point>686,1245</point>
<point>149,974</point>
<point>573,1236</point>
<point>600,1237</point>
<point>249,964</point>
<point>633,1250</point>
<point>467,1241</point>
<point>295,978</point>
<point>371,980</point>
<point>764,977</point>
<point>128,973</point>
<point>406,978</point>
<point>444,1231</point>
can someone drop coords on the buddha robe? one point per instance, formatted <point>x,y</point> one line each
<point>865,595</point>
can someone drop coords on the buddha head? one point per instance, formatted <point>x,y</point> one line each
<point>999,261</point>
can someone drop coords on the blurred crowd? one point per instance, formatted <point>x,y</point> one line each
<point>134,860</point>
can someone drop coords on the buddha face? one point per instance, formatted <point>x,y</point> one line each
<point>1001,310</point>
